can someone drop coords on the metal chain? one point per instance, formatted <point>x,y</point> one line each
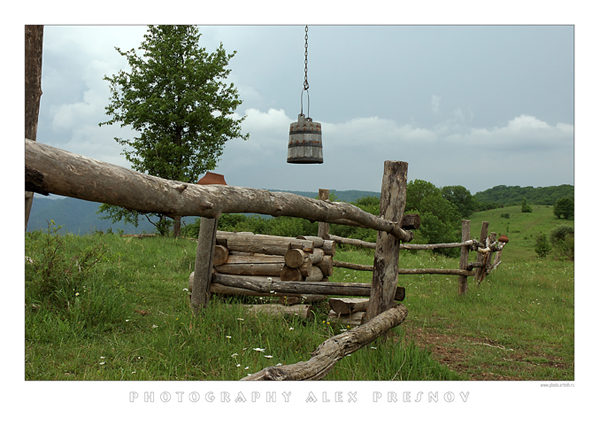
<point>306,57</point>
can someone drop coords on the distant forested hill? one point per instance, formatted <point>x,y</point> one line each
<point>511,195</point>
<point>75,216</point>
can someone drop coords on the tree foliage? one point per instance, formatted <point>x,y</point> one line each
<point>499,196</point>
<point>176,97</point>
<point>565,208</point>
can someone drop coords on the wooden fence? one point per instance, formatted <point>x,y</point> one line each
<point>52,170</point>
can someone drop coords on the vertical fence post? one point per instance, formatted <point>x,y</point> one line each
<point>207,238</point>
<point>387,247</point>
<point>323,227</point>
<point>464,256</point>
<point>482,238</point>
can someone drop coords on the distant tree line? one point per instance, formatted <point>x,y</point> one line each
<point>500,196</point>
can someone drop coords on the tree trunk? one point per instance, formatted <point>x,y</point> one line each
<point>176,226</point>
<point>334,349</point>
<point>52,170</point>
<point>34,43</point>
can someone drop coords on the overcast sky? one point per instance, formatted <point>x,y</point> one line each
<point>476,106</point>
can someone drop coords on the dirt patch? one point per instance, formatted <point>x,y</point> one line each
<point>462,354</point>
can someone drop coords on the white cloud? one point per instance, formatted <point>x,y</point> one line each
<point>523,132</point>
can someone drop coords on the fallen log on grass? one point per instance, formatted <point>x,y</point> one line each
<point>334,349</point>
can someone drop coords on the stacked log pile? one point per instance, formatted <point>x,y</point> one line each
<point>249,264</point>
<point>294,270</point>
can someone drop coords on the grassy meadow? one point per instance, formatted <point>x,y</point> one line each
<point>106,307</point>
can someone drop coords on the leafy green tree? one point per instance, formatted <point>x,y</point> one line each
<point>176,97</point>
<point>525,208</point>
<point>461,198</point>
<point>565,208</point>
<point>416,190</point>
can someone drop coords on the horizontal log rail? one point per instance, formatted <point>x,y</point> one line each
<point>52,170</point>
<point>276,287</point>
<point>357,242</point>
<point>362,267</point>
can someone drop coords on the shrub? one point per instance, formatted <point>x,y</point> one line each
<point>67,285</point>
<point>542,246</point>
<point>563,238</point>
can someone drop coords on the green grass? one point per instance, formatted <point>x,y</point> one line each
<point>521,228</point>
<point>131,318</point>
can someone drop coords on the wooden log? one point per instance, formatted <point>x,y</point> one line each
<point>354,319</point>
<point>350,241</point>
<point>464,257</point>
<point>347,265</point>
<point>318,241</point>
<point>252,264</point>
<point>295,257</point>
<point>316,256</point>
<point>52,170</point>
<point>387,250</point>
<point>256,284</point>
<point>204,263</point>
<point>220,255</point>
<point>217,288</point>
<point>302,310</point>
<point>411,221</point>
<point>315,275</point>
<point>323,227</point>
<point>329,247</point>
<point>334,349</point>
<point>304,298</point>
<point>261,244</point>
<point>472,242</point>
<point>34,43</point>
<point>290,274</point>
<point>326,265</point>
<point>348,305</point>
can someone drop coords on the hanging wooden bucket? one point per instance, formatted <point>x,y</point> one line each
<point>305,145</point>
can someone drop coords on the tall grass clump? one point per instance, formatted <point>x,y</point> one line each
<point>63,283</point>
